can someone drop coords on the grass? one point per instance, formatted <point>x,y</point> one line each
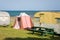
<point>8,33</point>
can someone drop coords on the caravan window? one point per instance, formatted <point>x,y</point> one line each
<point>5,18</point>
<point>37,19</point>
<point>58,20</point>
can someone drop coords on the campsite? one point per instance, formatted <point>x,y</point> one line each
<point>29,19</point>
<point>17,31</point>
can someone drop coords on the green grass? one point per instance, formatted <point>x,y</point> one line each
<point>8,33</point>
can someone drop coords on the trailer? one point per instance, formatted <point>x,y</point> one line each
<point>55,27</point>
<point>4,18</point>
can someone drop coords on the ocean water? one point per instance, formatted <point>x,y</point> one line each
<point>30,13</point>
<point>16,13</point>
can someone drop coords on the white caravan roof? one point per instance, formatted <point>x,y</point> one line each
<point>4,14</point>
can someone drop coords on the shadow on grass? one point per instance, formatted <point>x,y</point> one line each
<point>29,38</point>
<point>56,38</point>
<point>4,26</point>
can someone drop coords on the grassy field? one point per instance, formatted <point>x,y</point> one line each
<point>8,33</point>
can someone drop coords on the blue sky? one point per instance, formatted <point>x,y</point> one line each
<point>29,4</point>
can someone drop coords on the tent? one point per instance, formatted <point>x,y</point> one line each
<point>4,18</point>
<point>23,21</point>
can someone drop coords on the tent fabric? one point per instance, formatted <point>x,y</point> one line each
<point>25,21</point>
<point>16,25</point>
<point>23,14</point>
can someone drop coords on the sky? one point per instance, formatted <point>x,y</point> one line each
<point>29,4</point>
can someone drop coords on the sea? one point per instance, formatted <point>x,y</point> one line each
<point>16,13</point>
<point>30,13</point>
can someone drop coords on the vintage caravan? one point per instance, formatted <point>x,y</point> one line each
<point>48,20</point>
<point>4,18</point>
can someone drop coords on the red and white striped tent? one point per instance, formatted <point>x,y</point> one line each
<point>23,21</point>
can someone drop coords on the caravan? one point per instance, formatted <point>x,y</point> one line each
<point>4,18</point>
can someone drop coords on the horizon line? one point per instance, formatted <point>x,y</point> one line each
<point>34,10</point>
